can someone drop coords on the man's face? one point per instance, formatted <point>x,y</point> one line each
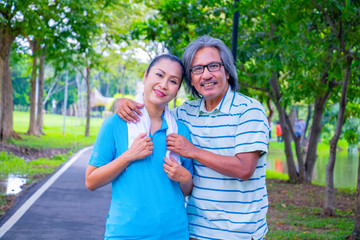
<point>211,85</point>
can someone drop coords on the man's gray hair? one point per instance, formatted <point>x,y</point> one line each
<point>225,54</point>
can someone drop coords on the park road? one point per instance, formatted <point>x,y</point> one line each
<point>65,210</point>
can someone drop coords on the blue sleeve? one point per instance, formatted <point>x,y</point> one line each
<point>104,147</point>
<point>185,162</point>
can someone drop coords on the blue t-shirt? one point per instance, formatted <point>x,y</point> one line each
<point>146,203</point>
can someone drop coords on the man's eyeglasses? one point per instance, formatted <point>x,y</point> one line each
<point>212,67</point>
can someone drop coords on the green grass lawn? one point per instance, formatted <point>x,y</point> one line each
<point>53,128</point>
<point>322,147</point>
<point>307,223</point>
<point>73,139</point>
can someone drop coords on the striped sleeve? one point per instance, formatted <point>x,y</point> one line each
<point>252,132</point>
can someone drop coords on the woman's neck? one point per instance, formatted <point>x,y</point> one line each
<point>155,113</point>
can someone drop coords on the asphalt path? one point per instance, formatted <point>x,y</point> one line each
<point>59,207</point>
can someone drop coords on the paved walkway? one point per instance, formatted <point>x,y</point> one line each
<point>60,207</point>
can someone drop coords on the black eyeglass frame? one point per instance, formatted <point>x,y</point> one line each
<point>206,66</point>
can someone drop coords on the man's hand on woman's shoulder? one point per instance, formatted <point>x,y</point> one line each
<point>128,110</point>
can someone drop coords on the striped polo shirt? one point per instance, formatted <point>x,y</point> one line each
<point>222,207</point>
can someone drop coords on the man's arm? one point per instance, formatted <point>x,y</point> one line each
<point>241,166</point>
<point>128,110</point>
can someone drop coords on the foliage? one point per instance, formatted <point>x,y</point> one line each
<point>351,127</point>
<point>20,65</point>
<point>193,18</point>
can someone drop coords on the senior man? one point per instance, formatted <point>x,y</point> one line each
<point>229,134</point>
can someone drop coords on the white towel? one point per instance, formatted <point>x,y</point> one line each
<point>143,126</point>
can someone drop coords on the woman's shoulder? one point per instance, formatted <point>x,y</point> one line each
<point>182,129</point>
<point>181,125</point>
<point>114,121</point>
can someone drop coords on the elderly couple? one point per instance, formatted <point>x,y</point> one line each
<point>212,150</point>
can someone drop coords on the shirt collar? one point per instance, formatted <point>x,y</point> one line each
<point>224,106</point>
<point>164,126</point>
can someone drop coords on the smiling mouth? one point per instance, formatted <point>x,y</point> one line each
<point>208,84</point>
<point>159,93</point>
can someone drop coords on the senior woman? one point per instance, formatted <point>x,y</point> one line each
<point>149,182</point>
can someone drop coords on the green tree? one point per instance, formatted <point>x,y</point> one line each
<point>15,18</point>
<point>79,40</point>
<point>289,55</point>
<point>193,18</point>
<point>341,22</point>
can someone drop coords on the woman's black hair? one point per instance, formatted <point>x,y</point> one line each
<point>172,58</point>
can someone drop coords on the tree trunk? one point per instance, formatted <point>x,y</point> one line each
<point>293,116</point>
<point>315,130</point>
<point>6,108</point>
<point>356,232</point>
<point>79,98</point>
<point>290,123</point>
<point>293,174</point>
<point>270,116</point>
<point>123,80</point>
<point>39,120</point>
<point>329,205</point>
<point>316,127</point>
<point>1,84</point>
<point>271,110</point>
<point>107,85</point>
<point>304,142</point>
<point>88,107</point>
<point>32,124</point>
<point>50,91</point>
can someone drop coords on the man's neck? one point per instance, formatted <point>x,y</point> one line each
<point>210,104</point>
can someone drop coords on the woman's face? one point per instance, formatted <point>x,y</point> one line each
<point>162,82</point>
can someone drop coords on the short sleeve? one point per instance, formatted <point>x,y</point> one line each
<point>104,147</point>
<point>185,162</point>
<point>252,132</point>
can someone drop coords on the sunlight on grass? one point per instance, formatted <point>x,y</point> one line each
<point>53,129</point>
<point>10,164</point>
<point>322,147</point>
<point>273,174</point>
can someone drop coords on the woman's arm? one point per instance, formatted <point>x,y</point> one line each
<point>96,177</point>
<point>178,173</point>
